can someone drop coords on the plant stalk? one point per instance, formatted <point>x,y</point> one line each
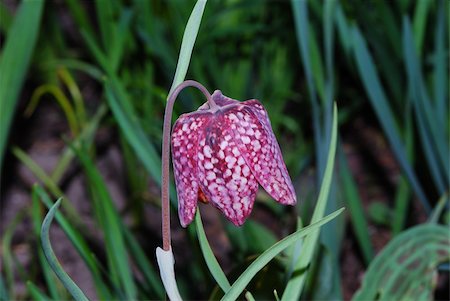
<point>165,189</point>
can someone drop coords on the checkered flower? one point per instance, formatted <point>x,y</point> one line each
<point>221,153</point>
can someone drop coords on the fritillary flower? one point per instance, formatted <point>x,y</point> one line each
<point>221,152</point>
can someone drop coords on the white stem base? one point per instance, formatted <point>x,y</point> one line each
<point>166,264</point>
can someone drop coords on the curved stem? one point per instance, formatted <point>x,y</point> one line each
<point>165,189</point>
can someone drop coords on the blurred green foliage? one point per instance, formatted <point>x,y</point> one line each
<point>385,62</point>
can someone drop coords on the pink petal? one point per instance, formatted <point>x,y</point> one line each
<point>261,151</point>
<point>184,157</point>
<point>224,176</point>
<point>222,100</point>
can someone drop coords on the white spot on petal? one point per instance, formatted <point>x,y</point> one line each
<point>245,139</point>
<point>207,151</point>
<point>210,176</point>
<point>245,171</point>
<point>236,152</point>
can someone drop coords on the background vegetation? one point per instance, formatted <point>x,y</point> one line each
<point>83,86</point>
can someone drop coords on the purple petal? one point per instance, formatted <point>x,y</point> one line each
<point>261,151</point>
<point>224,176</point>
<point>184,156</point>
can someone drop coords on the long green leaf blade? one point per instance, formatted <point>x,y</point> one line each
<point>383,111</point>
<point>78,242</point>
<point>208,255</point>
<point>187,44</point>
<point>295,285</point>
<point>111,225</point>
<point>36,215</point>
<point>245,278</point>
<point>14,61</point>
<point>356,210</point>
<point>73,289</point>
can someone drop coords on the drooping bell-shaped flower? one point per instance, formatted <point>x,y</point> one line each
<point>221,153</point>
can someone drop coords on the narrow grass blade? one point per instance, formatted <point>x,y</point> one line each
<point>301,26</point>
<point>343,30</point>
<point>5,18</point>
<point>4,296</point>
<point>142,261</point>
<point>440,63</point>
<point>187,44</point>
<point>121,30</point>
<point>245,278</point>
<point>37,171</point>
<point>75,93</point>
<point>14,61</point>
<point>68,283</point>
<point>431,130</point>
<point>331,236</point>
<point>36,293</point>
<point>86,135</point>
<point>356,211</point>
<point>316,65</point>
<point>295,285</point>
<point>402,197</point>
<point>110,224</point>
<point>404,192</point>
<point>91,70</point>
<point>80,16</point>
<point>49,276</point>
<point>7,254</point>
<point>209,257</point>
<point>40,174</point>
<point>105,17</point>
<point>438,209</point>
<point>420,22</point>
<point>62,101</point>
<point>78,242</point>
<point>119,103</point>
<point>383,111</point>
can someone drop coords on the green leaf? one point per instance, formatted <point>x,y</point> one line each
<point>143,262</point>
<point>36,293</point>
<point>120,105</point>
<point>434,141</point>
<point>296,283</point>
<point>354,204</point>
<point>301,25</point>
<point>3,292</point>
<point>208,255</point>
<point>7,252</point>
<point>405,268</point>
<point>36,215</point>
<point>383,110</point>
<point>244,279</point>
<point>110,223</point>
<point>14,60</point>
<point>420,21</point>
<point>187,44</point>
<point>68,283</point>
<point>78,242</point>
<point>440,63</point>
